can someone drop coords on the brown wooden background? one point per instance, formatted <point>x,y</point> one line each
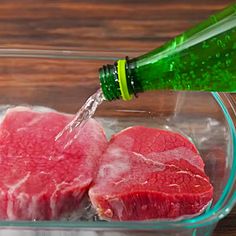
<point>119,26</point>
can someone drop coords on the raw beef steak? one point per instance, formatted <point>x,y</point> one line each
<point>37,179</point>
<point>146,140</point>
<point>150,174</point>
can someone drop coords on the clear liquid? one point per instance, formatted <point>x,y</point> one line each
<point>86,111</point>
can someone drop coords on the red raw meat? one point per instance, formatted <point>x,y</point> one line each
<point>147,140</point>
<point>150,174</point>
<point>38,180</point>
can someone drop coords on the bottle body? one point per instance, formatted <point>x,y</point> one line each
<point>201,59</point>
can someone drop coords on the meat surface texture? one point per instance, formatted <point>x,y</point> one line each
<point>148,174</point>
<point>38,179</point>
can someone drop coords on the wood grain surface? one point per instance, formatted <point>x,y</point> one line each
<point>125,27</point>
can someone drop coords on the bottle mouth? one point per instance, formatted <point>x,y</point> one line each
<point>109,82</point>
<point>113,81</point>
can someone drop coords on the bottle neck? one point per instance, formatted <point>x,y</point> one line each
<point>117,81</point>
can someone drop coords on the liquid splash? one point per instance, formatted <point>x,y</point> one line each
<point>85,112</point>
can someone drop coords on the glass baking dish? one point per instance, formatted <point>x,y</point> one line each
<point>63,79</point>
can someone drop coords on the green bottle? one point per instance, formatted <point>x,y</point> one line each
<point>201,59</point>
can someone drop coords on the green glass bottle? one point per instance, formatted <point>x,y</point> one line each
<point>201,59</point>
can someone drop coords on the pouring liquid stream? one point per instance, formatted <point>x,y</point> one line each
<point>72,130</point>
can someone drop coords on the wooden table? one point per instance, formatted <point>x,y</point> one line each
<point>121,25</point>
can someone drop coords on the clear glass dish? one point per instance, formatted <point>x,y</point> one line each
<point>63,80</point>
